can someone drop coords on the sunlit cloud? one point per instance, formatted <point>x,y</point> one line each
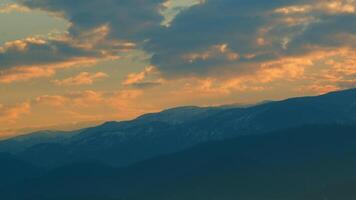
<point>171,8</point>
<point>11,113</point>
<point>37,51</point>
<point>338,6</point>
<point>294,9</point>
<point>8,8</point>
<point>214,52</point>
<point>25,74</point>
<point>84,78</point>
<point>149,77</point>
<point>332,69</point>
<point>119,102</point>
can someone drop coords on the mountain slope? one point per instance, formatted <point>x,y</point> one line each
<point>310,163</point>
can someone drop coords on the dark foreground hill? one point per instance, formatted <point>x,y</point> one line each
<point>309,163</point>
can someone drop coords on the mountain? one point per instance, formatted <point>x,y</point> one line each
<point>309,162</point>
<point>23,142</point>
<point>14,170</point>
<point>173,130</point>
<point>180,115</point>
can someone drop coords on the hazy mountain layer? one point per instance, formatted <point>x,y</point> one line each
<point>309,163</point>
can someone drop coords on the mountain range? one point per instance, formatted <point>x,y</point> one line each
<point>173,130</point>
<point>299,148</point>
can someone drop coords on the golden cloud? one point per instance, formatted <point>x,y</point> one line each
<point>329,6</point>
<point>84,78</point>
<point>12,7</point>
<point>25,74</point>
<point>11,113</point>
<point>213,52</point>
<point>147,77</point>
<point>294,9</point>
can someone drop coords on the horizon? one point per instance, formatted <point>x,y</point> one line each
<point>87,125</point>
<point>69,65</point>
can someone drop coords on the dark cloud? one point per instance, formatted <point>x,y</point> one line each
<point>216,36</point>
<point>236,23</point>
<point>330,31</point>
<point>128,19</point>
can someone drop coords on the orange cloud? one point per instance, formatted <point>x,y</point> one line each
<point>78,99</point>
<point>21,45</point>
<point>85,98</point>
<point>52,100</point>
<point>294,9</point>
<point>57,53</point>
<point>148,77</point>
<point>213,52</point>
<point>92,105</point>
<point>284,69</point>
<point>319,89</point>
<point>24,74</point>
<point>138,77</point>
<point>322,70</point>
<point>10,114</point>
<point>338,6</point>
<point>84,78</point>
<point>334,69</point>
<point>329,6</point>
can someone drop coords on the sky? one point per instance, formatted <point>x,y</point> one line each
<point>68,64</point>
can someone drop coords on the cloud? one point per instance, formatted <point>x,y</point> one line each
<point>257,31</point>
<point>196,31</point>
<point>92,105</point>
<point>147,78</point>
<point>36,57</point>
<point>340,6</point>
<point>71,107</point>
<point>11,113</point>
<point>12,7</point>
<point>57,53</point>
<point>220,51</point>
<point>24,74</point>
<point>338,71</point>
<point>36,51</point>
<point>84,78</point>
<point>128,19</point>
<point>319,89</point>
<point>224,45</point>
<point>51,100</point>
<point>83,44</point>
<point>231,36</point>
<point>89,98</point>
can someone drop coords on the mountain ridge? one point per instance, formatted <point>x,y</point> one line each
<point>126,142</point>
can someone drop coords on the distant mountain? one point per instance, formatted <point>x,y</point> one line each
<point>309,163</point>
<point>173,130</point>
<point>23,142</point>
